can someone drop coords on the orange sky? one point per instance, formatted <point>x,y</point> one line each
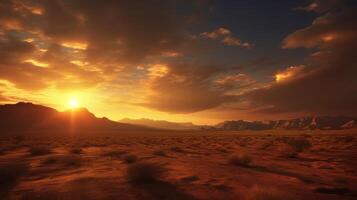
<point>150,60</point>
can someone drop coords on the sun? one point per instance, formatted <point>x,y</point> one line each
<point>73,103</point>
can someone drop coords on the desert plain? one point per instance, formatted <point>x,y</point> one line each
<point>252,165</point>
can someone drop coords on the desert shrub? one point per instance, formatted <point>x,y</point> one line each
<point>240,159</point>
<point>71,160</point>
<point>50,160</point>
<point>159,153</point>
<point>8,147</point>
<point>190,178</point>
<point>177,149</point>
<point>129,158</point>
<point>290,152</point>
<point>144,172</point>
<point>11,172</point>
<point>115,153</point>
<point>299,143</point>
<point>267,144</point>
<point>76,151</point>
<point>346,139</point>
<point>40,150</point>
<point>267,193</point>
<point>222,149</point>
<point>65,160</point>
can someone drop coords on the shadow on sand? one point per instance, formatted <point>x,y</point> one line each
<point>162,190</point>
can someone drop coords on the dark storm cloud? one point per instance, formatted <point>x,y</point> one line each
<point>328,85</point>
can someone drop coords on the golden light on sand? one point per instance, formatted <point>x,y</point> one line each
<point>73,103</point>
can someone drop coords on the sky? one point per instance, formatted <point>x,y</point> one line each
<point>200,61</point>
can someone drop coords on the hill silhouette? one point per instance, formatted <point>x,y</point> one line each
<point>303,123</point>
<point>162,124</point>
<point>31,117</point>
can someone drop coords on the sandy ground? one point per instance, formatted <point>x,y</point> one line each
<point>181,165</point>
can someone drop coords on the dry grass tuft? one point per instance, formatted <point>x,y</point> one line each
<point>50,160</point>
<point>69,160</point>
<point>11,172</point>
<point>144,172</point>
<point>240,160</point>
<point>267,193</point>
<point>159,153</point>
<point>115,153</point>
<point>296,146</point>
<point>72,160</point>
<point>299,143</point>
<point>76,151</point>
<point>130,158</point>
<point>177,149</point>
<point>40,150</point>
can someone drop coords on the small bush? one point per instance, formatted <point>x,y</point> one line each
<point>267,144</point>
<point>50,160</point>
<point>40,150</point>
<point>144,172</point>
<point>115,153</point>
<point>346,139</point>
<point>190,178</point>
<point>177,149</point>
<point>76,151</point>
<point>222,149</point>
<point>72,160</point>
<point>266,193</point>
<point>159,153</point>
<point>65,160</point>
<point>299,144</point>
<point>240,159</point>
<point>129,158</point>
<point>290,152</point>
<point>11,172</point>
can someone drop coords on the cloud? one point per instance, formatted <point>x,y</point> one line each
<point>225,36</point>
<point>3,98</point>
<point>328,84</point>
<point>76,44</point>
<point>193,87</point>
<point>234,80</point>
<point>290,73</point>
<point>185,88</point>
<point>322,6</point>
<point>216,33</point>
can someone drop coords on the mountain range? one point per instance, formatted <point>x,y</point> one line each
<point>31,117</point>
<point>162,124</point>
<point>304,123</point>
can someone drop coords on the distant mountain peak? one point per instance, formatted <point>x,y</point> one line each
<point>25,116</point>
<point>303,123</point>
<point>161,124</point>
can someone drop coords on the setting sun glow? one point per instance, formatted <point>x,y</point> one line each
<point>73,103</point>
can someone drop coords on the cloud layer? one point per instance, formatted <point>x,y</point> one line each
<point>150,54</point>
<point>328,85</point>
